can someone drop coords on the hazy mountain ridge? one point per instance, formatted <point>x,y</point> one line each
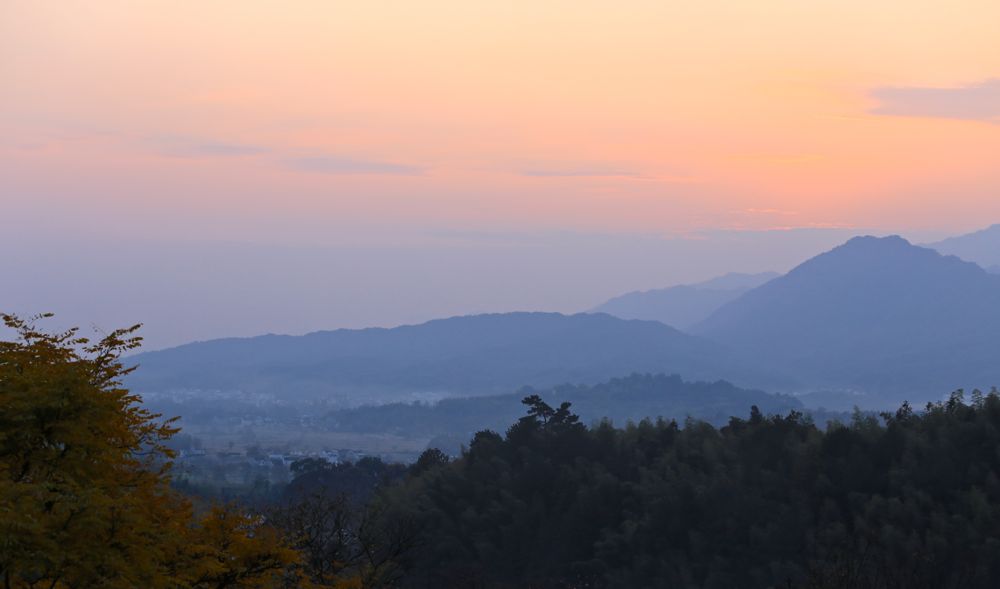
<point>471,355</point>
<point>981,247</point>
<point>683,306</point>
<point>875,314</point>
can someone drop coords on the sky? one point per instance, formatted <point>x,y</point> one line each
<point>584,147</point>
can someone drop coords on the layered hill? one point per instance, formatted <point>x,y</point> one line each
<point>633,398</point>
<point>473,355</point>
<point>981,247</point>
<point>875,314</point>
<point>684,305</point>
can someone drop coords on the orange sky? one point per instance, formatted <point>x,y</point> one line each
<point>626,116</point>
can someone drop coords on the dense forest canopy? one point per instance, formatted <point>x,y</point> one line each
<point>908,499</point>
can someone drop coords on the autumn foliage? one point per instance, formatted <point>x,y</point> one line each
<point>85,498</point>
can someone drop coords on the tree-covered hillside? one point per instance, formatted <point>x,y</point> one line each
<point>906,500</point>
<point>633,398</point>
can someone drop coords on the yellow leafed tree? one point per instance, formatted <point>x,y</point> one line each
<point>84,480</point>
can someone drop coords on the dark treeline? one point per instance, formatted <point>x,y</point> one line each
<point>900,500</point>
<point>905,500</point>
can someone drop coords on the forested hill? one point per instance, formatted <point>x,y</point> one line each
<point>909,500</point>
<point>621,400</point>
<point>876,314</point>
<point>461,356</point>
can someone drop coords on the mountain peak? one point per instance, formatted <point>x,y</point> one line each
<point>872,240</point>
<point>876,260</point>
<point>869,309</point>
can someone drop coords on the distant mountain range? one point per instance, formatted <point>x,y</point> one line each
<point>876,318</point>
<point>875,314</point>
<point>685,305</point>
<point>461,356</point>
<point>981,247</point>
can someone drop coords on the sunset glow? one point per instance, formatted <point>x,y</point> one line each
<point>591,116</point>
